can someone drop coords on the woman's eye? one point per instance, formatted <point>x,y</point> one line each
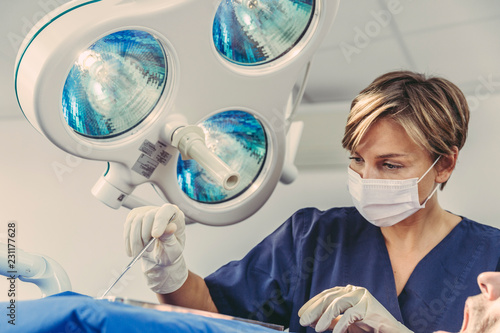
<point>392,166</point>
<point>356,159</point>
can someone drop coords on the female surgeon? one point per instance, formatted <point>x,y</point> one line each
<point>395,262</point>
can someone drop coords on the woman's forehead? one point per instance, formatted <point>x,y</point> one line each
<point>385,138</point>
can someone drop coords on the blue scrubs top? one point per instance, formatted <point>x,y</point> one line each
<point>316,250</point>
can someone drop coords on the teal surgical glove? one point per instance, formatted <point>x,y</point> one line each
<point>361,312</point>
<point>163,263</point>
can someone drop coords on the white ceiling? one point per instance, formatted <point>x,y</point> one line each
<point>457,39</point>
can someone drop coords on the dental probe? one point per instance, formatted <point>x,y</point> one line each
<point>133,262</point>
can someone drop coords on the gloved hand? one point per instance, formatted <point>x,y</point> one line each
<point>163,262</point>
<point>362,312</point>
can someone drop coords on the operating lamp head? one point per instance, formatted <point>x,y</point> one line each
<point>190,96</point>
<point>255,32</point>
<point>114,84</point>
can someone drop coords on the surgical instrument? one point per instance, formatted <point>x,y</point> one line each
<point>139,255</point>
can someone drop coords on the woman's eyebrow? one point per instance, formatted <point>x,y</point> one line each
<point>392,155</point>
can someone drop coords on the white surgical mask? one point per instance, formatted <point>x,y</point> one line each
<point>385,202</point>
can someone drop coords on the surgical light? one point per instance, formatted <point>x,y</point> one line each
<point>193,97</point>
<point>254,32</point>
<point>234,136</point>
<point>114,84</point>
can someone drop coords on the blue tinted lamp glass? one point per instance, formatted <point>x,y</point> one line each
<point>238,139</point>
<point>114,84</point>
<point>254,32</point>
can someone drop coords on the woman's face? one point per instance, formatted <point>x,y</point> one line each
<point>387,152</point>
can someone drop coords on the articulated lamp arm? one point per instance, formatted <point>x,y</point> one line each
<point>43,271</point>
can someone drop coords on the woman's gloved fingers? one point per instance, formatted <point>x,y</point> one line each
<point>361,312</point>
<point>167,252</point>
<point>127,230</point>
<point>312,309</point>
<point>315,309</point>
<point>163,227</point>
<point>126,236</point>
<point>136,243</point>
<point>133,230</point>
<point>147,227</point>
<point>163,263</point>
<point>313,300</point>
<point>339,305</point>
<point>173,248</point>
<point>179,221</point>
<point>350,316</point>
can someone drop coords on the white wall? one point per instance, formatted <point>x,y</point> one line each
<point>58,217</point>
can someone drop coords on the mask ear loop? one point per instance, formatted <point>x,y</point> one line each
<point>436,188</point>
<point>433,164</point>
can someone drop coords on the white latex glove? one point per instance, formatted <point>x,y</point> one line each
<point>163,262</point>
<point>361,312</point>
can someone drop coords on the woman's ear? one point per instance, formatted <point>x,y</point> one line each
<point>446,165</point>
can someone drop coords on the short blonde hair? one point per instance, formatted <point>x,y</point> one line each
<point>433,111</point>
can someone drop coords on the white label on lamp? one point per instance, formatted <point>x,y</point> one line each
<point>153,155</point>
<point>147,148</point>
<point>145,166</point>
